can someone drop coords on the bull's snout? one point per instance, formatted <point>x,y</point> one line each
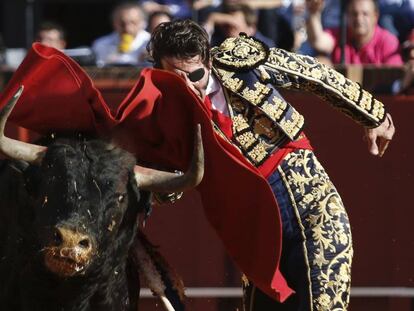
<point>72,242</point>
<point>70,252</point>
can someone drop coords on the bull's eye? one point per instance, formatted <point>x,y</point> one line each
<point>121,198</point>
<point>57,237</point>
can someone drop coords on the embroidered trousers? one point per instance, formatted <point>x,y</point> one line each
<point>317,244</point>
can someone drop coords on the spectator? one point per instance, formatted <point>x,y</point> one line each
<point>366,42</point>
<point>284,22</point>
<point>233,20</point>
<point>176,8</point>
<point>273,22</point>
<point>154,19</point>
<point>51,34</point>
<point>127,43</point>
<point>157,18</point>
<point>273,18</point>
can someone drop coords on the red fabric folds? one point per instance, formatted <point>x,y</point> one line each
<point>58,94</point>
<point>156,122</point>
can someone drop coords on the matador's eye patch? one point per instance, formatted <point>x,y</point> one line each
<point>196,75</point>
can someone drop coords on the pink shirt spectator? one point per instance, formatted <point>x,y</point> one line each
<point>382,49</point>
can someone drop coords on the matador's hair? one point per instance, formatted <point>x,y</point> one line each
<point>182,39</point>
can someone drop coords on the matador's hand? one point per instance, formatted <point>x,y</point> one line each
<point>378,138</point>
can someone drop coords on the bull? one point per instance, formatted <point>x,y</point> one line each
<point>68,218</point>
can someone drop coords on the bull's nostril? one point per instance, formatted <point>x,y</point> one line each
<point>57,237</point>
<point>84,243</point>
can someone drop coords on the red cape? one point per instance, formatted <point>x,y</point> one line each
<point>156,122</point>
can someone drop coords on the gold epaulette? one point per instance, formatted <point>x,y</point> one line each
<point>240,53</point>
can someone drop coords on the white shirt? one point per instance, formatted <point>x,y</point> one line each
<point>106,49</point>
<point>216,94</point>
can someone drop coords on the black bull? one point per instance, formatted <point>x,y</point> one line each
<point>68,217</point>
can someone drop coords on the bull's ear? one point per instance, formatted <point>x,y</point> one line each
<point>141,197</point>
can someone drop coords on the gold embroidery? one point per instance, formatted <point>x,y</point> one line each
<point>239,124</point>
<point>275,110</point>
<point>257,95</point>
<point>365,101</point>
<point>241,52</point>
<point>264,75</point>
<point>260,127</point>
<point>258,153</point>
<point>378,110</point>
<point>234,84</point>
<point>328,242</point>
<point>352,90</point>
<point>246,139</point>
<point>293,65</point>
<point>316,73</point>
<point>293,125</point>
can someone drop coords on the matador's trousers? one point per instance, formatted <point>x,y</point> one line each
<point>317,244</point>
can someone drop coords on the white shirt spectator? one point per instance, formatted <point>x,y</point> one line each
<point>107,51</point>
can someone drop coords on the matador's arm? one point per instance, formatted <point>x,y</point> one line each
<point>305,73</point>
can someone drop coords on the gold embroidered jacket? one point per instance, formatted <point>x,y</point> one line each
<point>250,73</point>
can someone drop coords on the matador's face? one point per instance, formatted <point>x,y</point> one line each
<point>192,70</point>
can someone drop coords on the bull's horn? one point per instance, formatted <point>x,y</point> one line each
<point>160,181</point>
<point>15,149</point>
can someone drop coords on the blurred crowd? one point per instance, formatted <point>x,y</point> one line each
<point>377,32</point>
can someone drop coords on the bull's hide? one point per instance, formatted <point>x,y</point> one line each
<point>66,228</point>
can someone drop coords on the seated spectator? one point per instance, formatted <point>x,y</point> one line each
<point>51,34</point>
<point>366,42</point>
<point>127,43</point>
<point>232,20</point>
<point>176,8</point>
<point>156,18</point>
